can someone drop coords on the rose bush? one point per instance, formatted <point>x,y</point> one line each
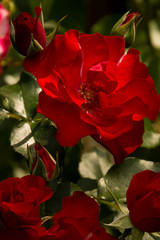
<point>20,201</point>
<point>77,220</point>
<point>25,25</point>
<point>143,201</point>
<point>91,87</point>
<point>4,33</point>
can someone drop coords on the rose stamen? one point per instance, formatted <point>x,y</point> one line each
<point>89,92</point>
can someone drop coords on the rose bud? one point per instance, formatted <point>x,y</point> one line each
<point>44,165</point>
<point>143,201</point>
<point>126,27</point>
<point>29,33</point>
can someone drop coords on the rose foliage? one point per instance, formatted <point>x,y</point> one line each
<point>91,87</point>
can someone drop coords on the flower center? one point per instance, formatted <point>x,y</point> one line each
<point>89,92</point>
<point>101,80</point>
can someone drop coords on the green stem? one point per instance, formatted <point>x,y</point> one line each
<point>12,115</point>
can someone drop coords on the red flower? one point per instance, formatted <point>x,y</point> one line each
<point>20,201</point>
<point>25,25</point>
<point>91,87</point>
<point>77,220</point>
<point>143,201</point>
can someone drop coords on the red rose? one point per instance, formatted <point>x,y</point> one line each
<point>20,201</point>
<point>91,87</point>
<point>25,25</point>
<point>77,220</point>
<point>143,201</point>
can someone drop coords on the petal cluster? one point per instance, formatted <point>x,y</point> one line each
<point>92,87</point>
<point>78,220</point>
<point>20,201</point>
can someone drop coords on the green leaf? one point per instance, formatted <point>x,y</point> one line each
<point>3,114</point>
<point>23,96</point>
<point>155,236</point>
<point>119,177</point>
<point>22,139</point>
<point>151,139</point>
<point>137,234</point>
<point>148,236</point>
<point>94,164</point>
<point>26,133</point>
<point>103,187</point>
<point>123,222</point>
<point>15,99</point>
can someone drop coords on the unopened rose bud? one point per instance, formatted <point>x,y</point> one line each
<point>29,29</point>
<point>45,165</point>
<point>126,27</point>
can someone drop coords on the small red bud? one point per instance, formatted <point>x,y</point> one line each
<point>44,158</point>
<point>126,27</point>
<point>27,26</point>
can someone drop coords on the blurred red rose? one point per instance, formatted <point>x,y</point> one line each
<point>20,201</point>
<point>143,201</point>
<point>4,33</point>
<point>91,87</point>
<point>25,25</point>
<point>77,220</point>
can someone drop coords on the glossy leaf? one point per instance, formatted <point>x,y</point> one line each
<point>94,164</point>
<point>123,222</point>
<point>23,96</point>
<point>119,177</point>
<point>21,138</point>
<point>137,234</point>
